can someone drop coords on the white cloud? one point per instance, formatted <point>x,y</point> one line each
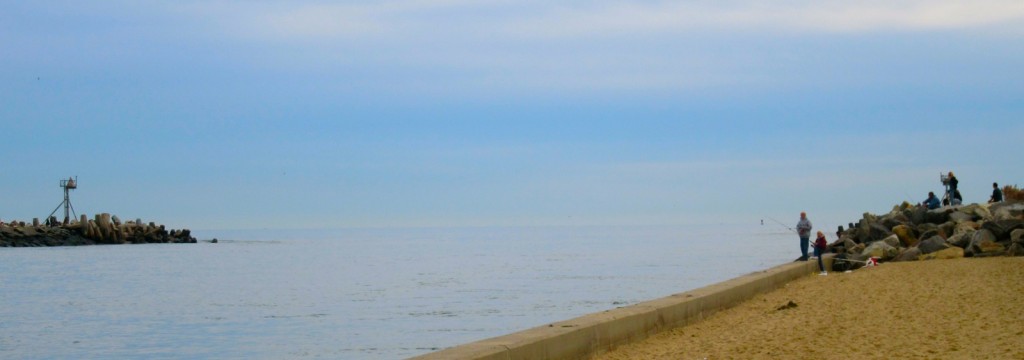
<point>419,18</point>
<point>325,20</point>
<point>284,21</point>
<point>799,16</point>
<point>480,48</point>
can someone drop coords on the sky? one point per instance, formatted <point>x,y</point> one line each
<point>437,113</point>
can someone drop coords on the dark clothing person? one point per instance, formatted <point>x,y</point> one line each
<point>951,193</point>
<point>997,195</point>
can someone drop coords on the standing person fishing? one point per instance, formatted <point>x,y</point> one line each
<point>803,228</point>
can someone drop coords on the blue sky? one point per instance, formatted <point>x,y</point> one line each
<point>316,114</point>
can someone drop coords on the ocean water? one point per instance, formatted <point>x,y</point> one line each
<point>351,294</point>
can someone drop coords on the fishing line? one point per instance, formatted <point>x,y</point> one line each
<point>781,224</point>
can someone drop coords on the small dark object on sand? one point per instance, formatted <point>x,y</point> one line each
<point>789,305</point>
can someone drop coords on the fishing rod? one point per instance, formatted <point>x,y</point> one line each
<point>853,260</point>
<point>910,199</point>
<point>783,225</point>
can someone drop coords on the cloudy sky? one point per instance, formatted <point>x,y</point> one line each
<point>319,114</point>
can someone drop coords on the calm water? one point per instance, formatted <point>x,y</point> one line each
<point>350,294</point>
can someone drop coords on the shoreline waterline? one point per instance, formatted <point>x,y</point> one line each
<point>597,333</point>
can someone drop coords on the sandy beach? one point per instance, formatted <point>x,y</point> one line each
<point>966,308</point>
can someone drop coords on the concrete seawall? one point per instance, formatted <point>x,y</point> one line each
<point>597,333</point>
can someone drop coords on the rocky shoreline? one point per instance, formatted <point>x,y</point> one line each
<point>910,233</point>
<point>103,229</point>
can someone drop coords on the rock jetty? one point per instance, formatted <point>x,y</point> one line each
<point>103,229</point>
<point>910,233</point>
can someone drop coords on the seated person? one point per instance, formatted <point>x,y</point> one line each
<point>997,195</point>
<point>932,202</point>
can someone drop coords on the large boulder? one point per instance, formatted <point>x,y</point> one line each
<point>915,214</point>
<point>895,218</point>
<point>1017,236</point>
<point>975,211</point>
<point>981,241</point>
<point>960,216</point>
<point>1002,228</point>
<point>892,240</point>
<point>872,232</point>
<point>961,240</point>
<point>932,244</point>
<point>1016,249</point>
<point>931,233</point>
<point>906,235</point>
<point>937,216</point>
<point>843,243</point>
<point>966,227</point>
<point>1005,210</point>
<point>881,250</point>
<point>910,254</point>
<point>926,228</point>
<point>946,229</point>
<point>26,231</point>
<point>863,231</point>
<point>947,253</point>
<point>838,244</point>
<point>987,249</point>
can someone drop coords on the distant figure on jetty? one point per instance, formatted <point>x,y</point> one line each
<point>819,250</point>
<point>997,195</point>
<point>803,228</point>
<point>953,182</point>
<point>932,202</point>
<point>952,196</point>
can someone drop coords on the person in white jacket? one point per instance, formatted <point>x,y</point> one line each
<point>803,228</point>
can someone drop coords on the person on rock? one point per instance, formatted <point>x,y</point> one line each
<point>997,195</point>
<point>932,202</point>
<point>953,182</point>
<point>819,250</point>
<point>803,228</point>
<point>950,190</point>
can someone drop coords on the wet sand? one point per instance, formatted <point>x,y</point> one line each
<point>937,309</point>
